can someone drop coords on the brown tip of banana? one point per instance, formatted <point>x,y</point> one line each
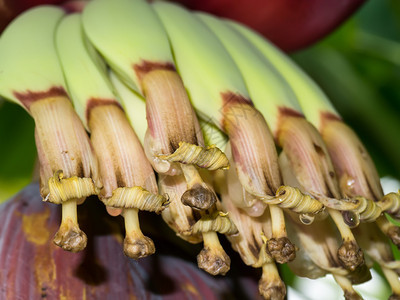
<point>70,238</point>
<point>350,255</point>
<point>270,291</point>
<point>212,262</point>
<point>64,189</point>
<point>349,295</point>
<point>210,158</point>
<point>394,296</point>
<point>199,197</point>
<point>138,248</point>
<point>281,249</point>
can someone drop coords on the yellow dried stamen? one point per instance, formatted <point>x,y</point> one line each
<point>64,189</point>
<point>390,204</point>
<point>211,158</point>
<point>368,210</point>
<point>292,198</point>
<point>216,222</point>
<point>136,197</point>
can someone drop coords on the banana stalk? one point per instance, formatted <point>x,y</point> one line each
<point>68,166</point>
<point>128,179</point>
<point>173,142</point>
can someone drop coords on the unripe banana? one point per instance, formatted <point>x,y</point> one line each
<point>34,79</point>
<point>125,171</point>
<point>148,68</point>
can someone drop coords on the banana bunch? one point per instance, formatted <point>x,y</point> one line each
<point>154,108</point>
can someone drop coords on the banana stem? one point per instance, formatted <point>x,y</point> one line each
<point>279,246</point>
<point>345,284</point>
<point>136,245</point>
<point>349,253</point>
<point>212,257</point>
<point>69,236</point>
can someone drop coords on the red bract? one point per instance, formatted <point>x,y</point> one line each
<point>9,9</point>
<point>32,267</point>
<point>289,24</point>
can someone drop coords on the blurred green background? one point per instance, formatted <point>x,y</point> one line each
<point>358,66</point>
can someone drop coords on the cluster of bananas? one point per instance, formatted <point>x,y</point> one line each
<point>205,103</point>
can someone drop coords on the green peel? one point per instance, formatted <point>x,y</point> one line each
<point>205,66</point>
<point>29,36</point>
<point>84,71</point>
<point>268,89</point>
<point>126,32</point>
<point>312,99</point>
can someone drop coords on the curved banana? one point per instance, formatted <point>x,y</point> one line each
<point>34,79</point>
<point>124,168</point>
<point>300,141</point>
<point>147,67</point>
<point>355,169</point>
<point>219,94</point>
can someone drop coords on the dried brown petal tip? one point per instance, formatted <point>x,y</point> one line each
<point>271,285</point>
<point>211,158</point>
<point>292,198</point>
<point>136,245</point>
<point>212,258</point>
<point>69,236</point>
<point>64,189</point>
<point>136,197</point>
<point>217,222</point>
<point>199,197</point>
<point>350,255</point>
<point>281,249</point>
<point>138,248</point>
<point>368,210</point>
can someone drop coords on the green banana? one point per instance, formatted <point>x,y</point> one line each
<point>68,166</point>
<point>148,68</point>
<point>125,171</point>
